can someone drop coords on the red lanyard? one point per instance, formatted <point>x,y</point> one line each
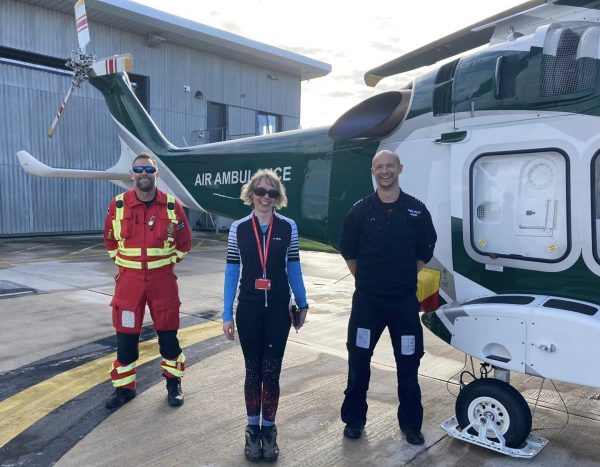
<point>262,257</point>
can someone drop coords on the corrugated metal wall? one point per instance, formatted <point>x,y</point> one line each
<point>86,137</point>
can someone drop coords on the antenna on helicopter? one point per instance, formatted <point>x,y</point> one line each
<point>85,64</point>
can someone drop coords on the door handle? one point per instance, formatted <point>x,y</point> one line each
<point>547,347</point>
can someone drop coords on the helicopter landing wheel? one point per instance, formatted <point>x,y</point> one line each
<point>497,402</point>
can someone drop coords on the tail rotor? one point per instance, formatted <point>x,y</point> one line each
<point>86,65</point>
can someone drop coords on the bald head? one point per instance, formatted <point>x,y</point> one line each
<point>386,168</point>
<point>385,155</point>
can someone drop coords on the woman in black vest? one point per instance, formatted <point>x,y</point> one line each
<point>266,244</point>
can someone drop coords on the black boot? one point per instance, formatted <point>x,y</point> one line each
<point>119,397</point>
<point>174,392</point>
<point>268,435</point>
<point>252,450</point>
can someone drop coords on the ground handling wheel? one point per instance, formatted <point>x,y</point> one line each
<point>499,403</point>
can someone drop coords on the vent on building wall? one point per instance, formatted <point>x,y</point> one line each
<point>154,40</point>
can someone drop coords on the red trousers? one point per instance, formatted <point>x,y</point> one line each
<point>135,289</point>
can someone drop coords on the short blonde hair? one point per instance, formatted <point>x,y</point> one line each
<point>272,179</point>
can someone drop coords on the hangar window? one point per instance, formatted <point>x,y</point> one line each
<point>268,123</point>
<point>519,207</point>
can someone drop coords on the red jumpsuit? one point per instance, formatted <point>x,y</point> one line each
<point>145,242</point>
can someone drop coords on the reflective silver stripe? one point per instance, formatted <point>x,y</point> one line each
<point>125,369</point>
<point>129,251</point>
<point>128,264</point>
<point>160,263</point>
<point>112,253</point>
<point>160,251</point>
<point>180,254</point>
<point>117,383</point>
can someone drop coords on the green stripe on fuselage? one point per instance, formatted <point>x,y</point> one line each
<point>577,282</point>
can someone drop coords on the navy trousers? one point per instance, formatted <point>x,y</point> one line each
<point>369,317</point>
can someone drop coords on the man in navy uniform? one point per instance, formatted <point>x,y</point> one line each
<point>387,238</point>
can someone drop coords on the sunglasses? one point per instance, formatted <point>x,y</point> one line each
<point>138,169</point>
<point>259,191</point>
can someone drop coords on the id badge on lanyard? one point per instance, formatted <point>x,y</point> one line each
<point>262,283</point>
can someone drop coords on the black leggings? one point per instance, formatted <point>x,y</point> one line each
<point>263,333</point>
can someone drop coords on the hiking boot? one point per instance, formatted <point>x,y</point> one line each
<point>252,450</point>
<point>413,436</point>
<point>119,397</point>
<point>353,431</point>
<point>270,450</point>
<point>174,392</point>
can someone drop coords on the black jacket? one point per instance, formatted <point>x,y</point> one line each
<point>386,240</point>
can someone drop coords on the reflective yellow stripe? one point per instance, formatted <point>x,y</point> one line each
<point>173,371</point>
<point>128,264</point>
<point>123,369</point>
<point>171,212</point>
<point>180,254</point>
<point>160,251</point>
<point>129,251</point>
<point>123,381</point>
<point>118,217</point>
<point>160,263</point>
<point>112,253</point>
<point>173,366</point>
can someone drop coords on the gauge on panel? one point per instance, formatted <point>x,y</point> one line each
<point>540,175</point>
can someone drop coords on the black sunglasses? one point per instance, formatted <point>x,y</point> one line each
<point>259,191</point>
<point>138,169</point>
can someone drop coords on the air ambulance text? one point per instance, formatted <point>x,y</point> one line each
<point>233,177</point>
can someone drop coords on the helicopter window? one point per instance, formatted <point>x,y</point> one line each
<point>507,68</point>
<point>519,206</point>
<point>596,206</point>
<point>442,94</point>
<point>569,60</point>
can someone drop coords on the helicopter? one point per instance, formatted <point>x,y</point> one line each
<point>501,144</point>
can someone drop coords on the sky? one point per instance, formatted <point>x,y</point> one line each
<point>352,36</point>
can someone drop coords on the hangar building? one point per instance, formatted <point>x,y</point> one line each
<point>198,83</point>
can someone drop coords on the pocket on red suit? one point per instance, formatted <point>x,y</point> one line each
<point>127,317</point>
<point>165,313</point>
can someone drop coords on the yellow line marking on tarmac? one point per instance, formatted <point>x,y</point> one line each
<point>35,247</point>
<point>82,250</point>
<point>19,412</point>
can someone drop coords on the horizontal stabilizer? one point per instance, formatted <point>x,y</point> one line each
<point>34,167</point>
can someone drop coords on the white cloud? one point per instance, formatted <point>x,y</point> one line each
<point>353,36</point>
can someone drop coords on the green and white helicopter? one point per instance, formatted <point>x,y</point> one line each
<point>501,144</point>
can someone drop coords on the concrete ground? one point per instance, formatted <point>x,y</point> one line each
<point>56,345</point>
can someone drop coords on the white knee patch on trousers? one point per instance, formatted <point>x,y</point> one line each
<point>363,338</point>
<point>407,345</point>
<point>127,319</point>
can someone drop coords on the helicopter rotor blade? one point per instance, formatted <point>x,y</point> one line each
<point>110,65</point>
<point>60,111</point>
<point>81,23</point>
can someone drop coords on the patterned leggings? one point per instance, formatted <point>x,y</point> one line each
<point>263,333</point>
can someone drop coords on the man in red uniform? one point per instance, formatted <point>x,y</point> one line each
<point>146,232</point>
